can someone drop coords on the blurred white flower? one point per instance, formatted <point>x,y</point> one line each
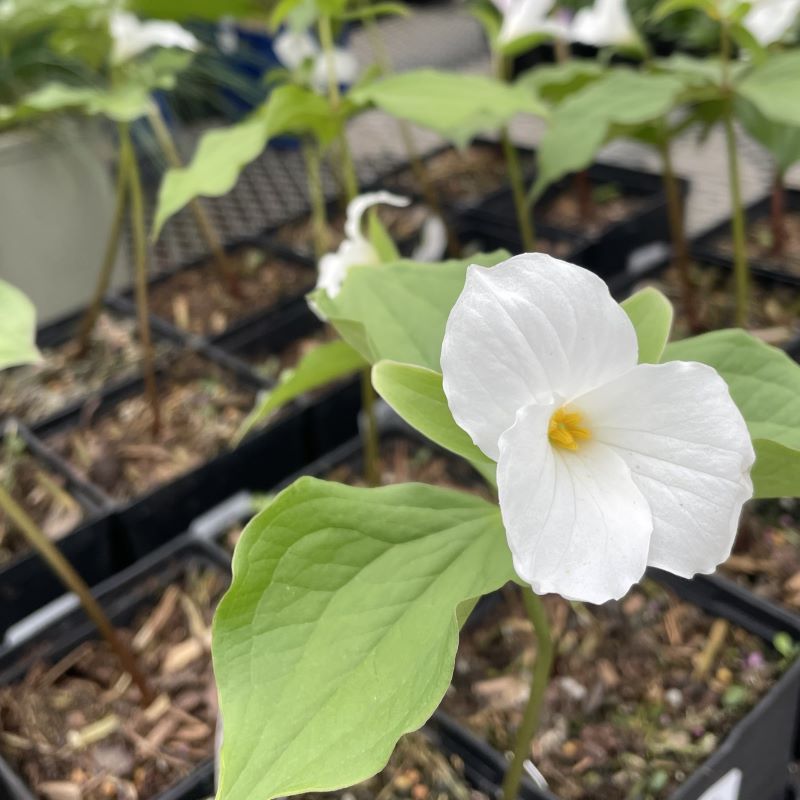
<point>770,20</point>
<point>356,249</point>
<point>605,466</point>
<point>528,17</point>
<point>293,48</point>
<point>345,68</point>
<point>130,36</point>
<point>605,24</point>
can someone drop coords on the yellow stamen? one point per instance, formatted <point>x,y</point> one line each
<point>564,429</point>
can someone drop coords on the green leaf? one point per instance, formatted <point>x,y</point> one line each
<point>668,7</point>
<point>182,10</point>
<point>774,86</point>
<point>555,82</point>
<point>765,384</point>
<point>782,141</point>
<point>651,315</point>
<point>398,312</point>
<point>455,105</point>
<point>324,364</point>
<point>416,394</point>
<point>339,632</point>
<point>380,238</point>
<point>17,328</point>
<point>222,154</point>
<point>582,123</point>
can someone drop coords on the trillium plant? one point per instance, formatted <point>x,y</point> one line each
<point>610,449</point>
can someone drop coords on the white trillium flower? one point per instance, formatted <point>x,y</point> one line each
<point>293,48</point>
<point>604,466</point>
<point>527,17</point>
<point>605,24</point>
<point>770,20</point>
<point>356,249</point>
<point>130,36</point>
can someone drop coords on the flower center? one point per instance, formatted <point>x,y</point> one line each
<point>565,429</point>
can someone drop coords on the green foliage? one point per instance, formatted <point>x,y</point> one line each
<point>782,141</point>
<point>586,119</point>
<point>319,367</point>
<point>380,238</point>
<point>765,384</point>
<point>341,623</point>
<point>398,312</point>
<point>374,10</point>
<point>651,315</point>
<point>456,106</point>
<point>17,328</point>
<point>553,83</point>
<point>188,10</point>
<point>416,394</point>
<point>774,86</point>
<point>668,7</point>
<point>222,154</point>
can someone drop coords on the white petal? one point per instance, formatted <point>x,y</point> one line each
<point>606,24</point>
<point>432,241</point>
<point>345,68</point>
<point>770,20</point>
<point>359,205</point>
<point>526,17</point>
<point>575,521</point>
<point>131,36</point>
<point>294,47</point>
<point>689,452</point>
<point>333,267</point>
<point>531,329</point>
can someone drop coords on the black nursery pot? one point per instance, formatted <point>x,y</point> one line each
<point>706,247</point>
<point>619,247</point>
<point>331,413</point>
<point>159,514</point>
<point>122,597</point>
<point>263,242</point>
<point>26,582</point>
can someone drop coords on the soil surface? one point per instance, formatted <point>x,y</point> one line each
<point>40,492</point>
<point>417,770</point>
<point>401,223</point>
<point>75,729</point>
<point>201,410</point>
<point>766,556</point>
<point>460,176</point>
<point>775,309</point>
<point>643,689</point>
<point>472,244</point>
<point>760,244</point>
<point>608,206</point>
<point>200,300</point>
<point>32,393</point>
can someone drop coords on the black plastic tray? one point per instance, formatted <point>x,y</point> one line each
<point>704,246</point>
<point>612,252</point>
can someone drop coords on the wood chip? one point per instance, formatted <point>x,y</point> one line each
<point>156,709</point>
<point>59,790</point>
<point>181,655</point>
<point>157,619</point>
<point>704,661</point>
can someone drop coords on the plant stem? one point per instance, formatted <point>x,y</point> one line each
<point>583,193</point>
<point>207,230</point>
<point>680,247</point>
<point>370,433</point>
<point>524,214</point>
<point>70,578</point>
<point>348,169</point>
<point>109,257</point>
<point>140,273</point>
<point>777,210</point>
<point>741,269</point>
<point>541,676</point>
<point>319,222</point>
